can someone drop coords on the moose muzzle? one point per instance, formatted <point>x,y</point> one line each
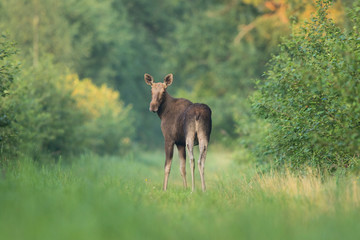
<point>153,107</point>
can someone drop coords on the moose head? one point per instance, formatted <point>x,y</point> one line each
<point>158,90</point>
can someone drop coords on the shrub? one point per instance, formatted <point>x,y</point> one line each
<point>108,125</point>
<point>311,94</point>
<point>58,114</point>
<point>8,71</point>
<point>46,116</point>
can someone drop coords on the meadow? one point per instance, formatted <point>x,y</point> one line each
<point>281,78</point>
<point>94,197</point>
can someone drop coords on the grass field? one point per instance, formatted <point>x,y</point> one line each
<point>121,198</point>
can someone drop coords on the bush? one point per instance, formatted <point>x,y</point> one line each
<point>58,114</point>
<point>46,115</point>
<point>252,132</point>
<point>8,71</point>
<point>311,95</point>
<point>108,125</point>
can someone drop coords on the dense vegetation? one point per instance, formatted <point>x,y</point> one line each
<point>311,95</point>
<point>71,76</point>
<point>214,48</point>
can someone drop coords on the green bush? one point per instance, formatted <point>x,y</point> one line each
<point>46,116</point>
<point>311,94</point>
<point>57,114</point>
<point>251,132</point>
<point>108,124</point>
<point>8,71</point>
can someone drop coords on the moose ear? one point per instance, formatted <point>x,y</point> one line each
<point>168,79</point>
<point>148,79</point>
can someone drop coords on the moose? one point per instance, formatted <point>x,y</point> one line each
<point>184,124</point>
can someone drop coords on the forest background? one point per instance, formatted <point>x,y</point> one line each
<point>72,76</point>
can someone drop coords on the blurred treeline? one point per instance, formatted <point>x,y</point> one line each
<point>74,79</point>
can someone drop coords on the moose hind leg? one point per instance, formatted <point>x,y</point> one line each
<point>201,163</point>
<point>169,150</point>
<point>182,158</point>
<point>190,147</point>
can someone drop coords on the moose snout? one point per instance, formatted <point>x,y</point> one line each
<point>153,108</point>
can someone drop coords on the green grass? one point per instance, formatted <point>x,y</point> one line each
<point>121,198</point>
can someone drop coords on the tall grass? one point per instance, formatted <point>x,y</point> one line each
<point>121,198</point>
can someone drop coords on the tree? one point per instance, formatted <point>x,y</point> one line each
<point>96,39</point>
<point>311,93</point>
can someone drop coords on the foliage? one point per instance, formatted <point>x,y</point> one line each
<point>222,46</point>
<point>218,45</point>
<point>97,39</point>
<point>107,128</point>
<point>212,65</point>
<point>311,95</point>
<point>46,117</point>
<point>8,71</point>
<point>62,115</point>
<point>73,31</point>
<point>7,66</point>
<point>251,132</point>
<point>214,48</point>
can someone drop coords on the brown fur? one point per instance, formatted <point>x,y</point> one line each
<point>184,124</point>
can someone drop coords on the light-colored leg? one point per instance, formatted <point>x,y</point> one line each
<point>190,147</point>
<point>169,150</point>
<point>182,158</point>
<point>201,163</point>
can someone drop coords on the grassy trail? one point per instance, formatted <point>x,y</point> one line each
<point>121,198</point>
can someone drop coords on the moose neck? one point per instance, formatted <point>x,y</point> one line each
<point>166,105</point>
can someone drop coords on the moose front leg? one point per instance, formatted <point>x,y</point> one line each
<point>169,151</point>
